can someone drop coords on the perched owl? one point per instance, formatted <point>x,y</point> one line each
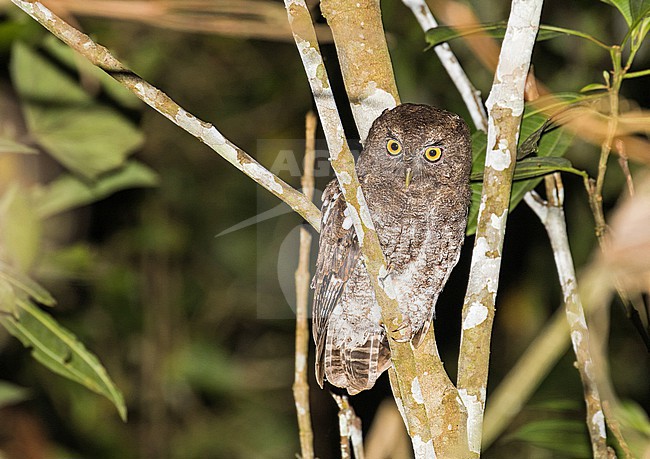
<point>414,170</point>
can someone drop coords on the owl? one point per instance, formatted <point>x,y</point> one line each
<point>414,170</point>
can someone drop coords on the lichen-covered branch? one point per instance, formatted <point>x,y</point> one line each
<point>505,106</point>
<point>344,167</point>
<point>302,278</point>
<point>471,96</point>
<point>551,214</point>
<point>364,59</point>
<point>207,133</point>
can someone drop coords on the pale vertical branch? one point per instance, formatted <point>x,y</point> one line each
<point>505,106</point>
<point>364,59</point>
<point>300,382</point>
<point>205,132</point>
<point>349,428</point>
<point>344,167</point>
<point>471,96</point>
<point>551,214</point>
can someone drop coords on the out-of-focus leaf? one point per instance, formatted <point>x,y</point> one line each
<point>37,80</point>
<point>441,34</point>
<point>75,61</point>
<point>26,285</point>
<point>9,146</point>
<point>11,394</point>
<point>568,438</point>
<point>59,350</point>
<point>68,192</point>
<point>7,298</point>
<point>634,416</point>
<point>20,227</point>
<point>88,140</point>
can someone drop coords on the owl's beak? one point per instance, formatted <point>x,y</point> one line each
<point>409,176</point>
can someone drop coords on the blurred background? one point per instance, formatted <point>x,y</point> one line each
<point>197,327</point>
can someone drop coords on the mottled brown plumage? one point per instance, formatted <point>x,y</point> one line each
<point>421,228</point>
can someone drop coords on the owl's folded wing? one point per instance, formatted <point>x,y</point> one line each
<point>338,254</point>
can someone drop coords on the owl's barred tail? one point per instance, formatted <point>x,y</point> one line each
<point>354,369</point>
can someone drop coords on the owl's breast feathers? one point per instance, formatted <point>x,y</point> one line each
<point>421,245</point>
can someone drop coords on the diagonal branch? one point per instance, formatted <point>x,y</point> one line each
<point>344,167</point>
<point>205,132</point>
<point>471,96</point>
<point>505,106</point>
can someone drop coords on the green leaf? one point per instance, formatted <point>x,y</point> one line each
<point>26,285</point>
<point>529,168</point>
<point>60,351</point>
<point>87,140</point>
<point>442,34</point>
<point>68,192</point>
<point>551,143</point>
<point>20,228</point>
<point>9,146</point>
<point>568,438</point>
<point>10,394</point>
<point>37,80</point>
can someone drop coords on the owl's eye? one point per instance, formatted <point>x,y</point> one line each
<point>432,154</point>
<point>393,147</point>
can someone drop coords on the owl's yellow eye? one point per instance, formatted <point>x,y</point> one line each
<point>432,154</point>
<point>393,147</point>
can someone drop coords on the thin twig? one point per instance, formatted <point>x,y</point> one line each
<point>471,96</point>
<point>300,383</point>
<point>349,428</point>
<point>505,106</point>
<point>551,214</point>
<point>207,133</point>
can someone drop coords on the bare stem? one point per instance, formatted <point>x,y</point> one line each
<point>551,214</point>
<point>349,428</point>
<point>505,106</point>
<point>207,133</point>
<point>300,383</point>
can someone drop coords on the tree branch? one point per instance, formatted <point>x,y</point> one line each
<point>344,167</point>
<point>363,56</point>
<point>471,96</point>
<point>551,215</point>
<point>300,384</point>
<point>505,106</point>
<point>207,133</point>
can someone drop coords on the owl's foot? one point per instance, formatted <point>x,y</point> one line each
<point>403,333</point>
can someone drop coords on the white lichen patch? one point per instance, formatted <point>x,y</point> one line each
<point>365,211</point>
<point>416,391</point>
<point>475,316</point>
<point>598,419</point>
<point>372,102</point>
<point>347,223</point>
<point>301,362</point>
<point>385,280</point>
<point>263,177</point>
<point>500,158</point>
<point>423,449</point>
<point>485,265</point>
<point>356,221</point>
<point>345,178</point>
<point>47,14</point>
<point>474,406</point>
<point>498,222</point>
